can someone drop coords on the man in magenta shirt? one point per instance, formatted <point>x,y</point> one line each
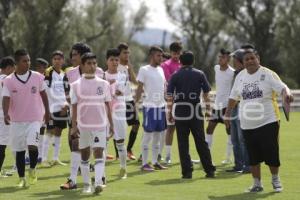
<point>170,67</point>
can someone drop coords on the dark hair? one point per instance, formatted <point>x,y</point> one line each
<point>19,53</point>
<point>187,58</point>
<point>122,46</point>
<point>87,56</point>
<point>81,48</point>
<point>155,49</point>
<point>42,61</point>
<point>7,61</point>
<point>224,51</point>
<point>247,46</point>
<point>238,54</point>
<point>112,53</point>
<point>166,55</point>
<point>58,53</point>
<point>175,46</point>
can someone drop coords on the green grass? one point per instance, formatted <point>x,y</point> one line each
<point>167,184</point>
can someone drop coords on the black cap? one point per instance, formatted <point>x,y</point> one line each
<point>238,54</point>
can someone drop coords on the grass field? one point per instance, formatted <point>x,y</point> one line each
<point>167,184</point>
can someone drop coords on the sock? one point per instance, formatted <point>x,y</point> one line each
<point>229,148</point>
<point>122,154</point>
<point>45,150</point>
<point>2,155</point>
<point>162,142</point>
<point>116,150</point>
<point>275,177</point>
<point>20,162</point>
<point>147,137</point>
<point>155,146</point>
<point>168,151</point>
<point>132,138</point>
<point>40,147</point>
<point>75,163</point>
<point>57,140</point>
<point>33,156</point>
<point>99,171</point>
<point>85,171</point>
<point>257,182</point>
<point>209,140</point>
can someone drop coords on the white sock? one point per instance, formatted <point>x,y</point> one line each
<point>85,171</point>
<point>40,147</point>
<point>229,148</point>
<point>104,161</point>
<point>122,154</point>
<point>147,137</point>
<point>75,163</point>
<point>257,182</point>
<point>45,150</point>
<point>155,146</point>
<point>168,151</point>
<point>99,171</point>
<point>209,140</point>
<point>57,140</point>
<point>275,177</point>
<point>162,142</point>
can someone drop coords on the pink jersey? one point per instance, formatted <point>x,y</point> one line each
<point>75,73</point>
<point>170,67</point>
<point>25,100</point>
<point>90,96</point>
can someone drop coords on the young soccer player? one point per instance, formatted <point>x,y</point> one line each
<point>90,98</point>
<point>7,66</point>
<point>24,97</point>
<point>117,82</point>
<point>58,108</point>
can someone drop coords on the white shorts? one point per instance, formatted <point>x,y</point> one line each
<point>119,120</point>
<point>24,134</point>
<point>92,139</point>
<point>4,133</point>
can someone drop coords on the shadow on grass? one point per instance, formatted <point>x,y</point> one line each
<point>245,196</point>
<point>171,181</point>
<point>61,194</point>
<point>66,175</point>
<point>12,189</point>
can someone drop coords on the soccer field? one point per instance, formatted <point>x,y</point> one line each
<point>168,184</point>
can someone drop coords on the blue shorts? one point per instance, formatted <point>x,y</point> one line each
<point>154,119</point>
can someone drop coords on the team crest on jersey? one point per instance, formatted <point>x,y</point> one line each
<point>33,90</point>
<point>262,77</point>
<point>96,139</point>
<point>99,91</point>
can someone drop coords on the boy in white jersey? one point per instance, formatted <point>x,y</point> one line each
<point>117,82</point>
<point>58,108</point>
<point>24,97</point>
<point>224,75</point>
<point>90,98</point>
<point>151,78</point>
<point>7,66</point>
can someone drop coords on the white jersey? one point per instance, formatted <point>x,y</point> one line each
<point>224,80</point>
<point>128,91</point>
<point>154,82</point>
<point>257,95</point>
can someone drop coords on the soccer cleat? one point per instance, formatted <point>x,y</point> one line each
<point>123,173</point>
<point>87,189</point>
<point>46,164</point>
<point>98,189</point>
<point>226,162</point>
<point>210,175</point>
<point>254,189</point>
<point>147,168</point>
<point>277,185</point>
<point>57,162</point>
<point>158,166</point>
<point>22,183</point>
<point>109,157</point>
<point>234,169</point>
<point>168,161</point>
<point>130,155</point>
<point>32,176</point>
<point>69,185</point>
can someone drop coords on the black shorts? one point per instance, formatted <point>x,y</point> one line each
<point>263,145</point>
<point>57,121</point>
<point>217,115</point>
<point>132,116</point>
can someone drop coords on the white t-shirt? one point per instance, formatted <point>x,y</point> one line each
<point>224,81</point>
<point>119,84</point>
<point>257,95</point>
<point>154,82</point>
<point>2,76</point>
<point>56,93</point>
<point>128,92</point>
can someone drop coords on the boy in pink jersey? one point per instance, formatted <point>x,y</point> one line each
<point>24,97</point>
<point>72,75</point>
<point>170,67</point>
<point>117,82</point>
<point>90,98</point>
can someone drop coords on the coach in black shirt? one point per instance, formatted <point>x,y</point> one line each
<point>184,91</point>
